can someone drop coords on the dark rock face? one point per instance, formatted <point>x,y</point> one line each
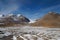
<point>51,19</point>
<point>13,19</point>
<point>10,37</point>
<point>23,19</point>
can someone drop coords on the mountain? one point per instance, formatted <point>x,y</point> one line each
<point>12,19</point>
<point>52,19</point>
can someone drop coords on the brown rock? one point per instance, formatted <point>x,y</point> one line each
<point>51,19</point>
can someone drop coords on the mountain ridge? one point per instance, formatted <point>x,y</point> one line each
<point>12,19</point>
<point>51,19</point>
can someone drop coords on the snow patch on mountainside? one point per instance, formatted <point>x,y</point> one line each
<point>32,21</point>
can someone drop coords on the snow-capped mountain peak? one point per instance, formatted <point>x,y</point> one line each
<point>1,15</point>
<point>18,15</point>
<point>13,19</point>
<point>10,14</point>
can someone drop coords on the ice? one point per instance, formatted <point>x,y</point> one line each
<point>7,34</point>
<point>14,38</point>
<point>32,33</point>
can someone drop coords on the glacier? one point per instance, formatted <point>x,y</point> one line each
<point>32,33</point>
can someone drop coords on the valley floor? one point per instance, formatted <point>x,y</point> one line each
<point>32,33</point>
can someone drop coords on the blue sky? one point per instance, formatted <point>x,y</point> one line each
<point>32,9</point>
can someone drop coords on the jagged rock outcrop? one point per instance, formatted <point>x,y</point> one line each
<point>12,19</point>
<point>51,19</point>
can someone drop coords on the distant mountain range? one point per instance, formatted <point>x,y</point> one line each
<point>11,19</point>
<point>51,19</point>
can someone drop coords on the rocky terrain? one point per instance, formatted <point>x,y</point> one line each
<point>52,19</point>
<point>12,20</point>
<point>39,30</point>
<point>30,33</point>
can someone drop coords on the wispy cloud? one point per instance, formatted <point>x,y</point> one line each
<point>42,12</point>
<point>51,8</point>
<point>30,8</point>
<point>9,7</point>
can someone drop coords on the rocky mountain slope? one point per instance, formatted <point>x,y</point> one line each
<point>12,19</point>
<point>51,19</point>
